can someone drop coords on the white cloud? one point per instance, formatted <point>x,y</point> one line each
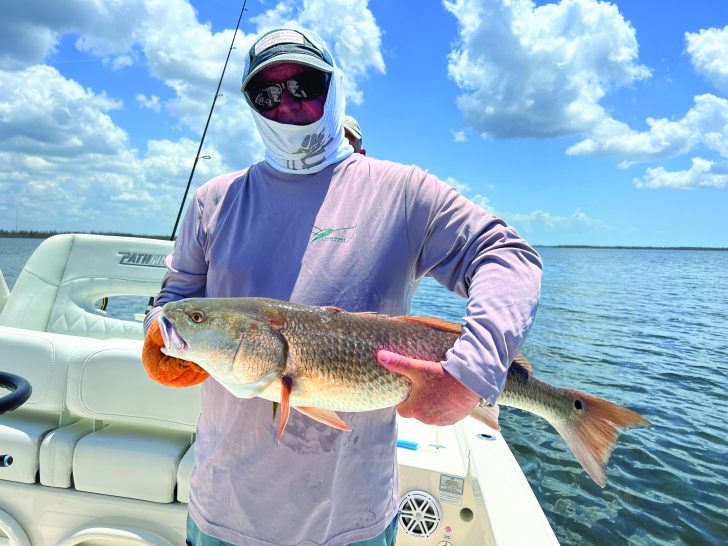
<point>702,174</point>
<point>460,186</point>
<point>459,136</point>
<point>483,202</point>
<point>41,112</point>
<point>708,50</point>
<point>706,124</point>
<point>31,28</point>
<point>528,71</point>
<point>151,102</point>
<point>65,163</point>
<point>540,220</point>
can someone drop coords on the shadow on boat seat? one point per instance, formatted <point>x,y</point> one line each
<point>95,421</point>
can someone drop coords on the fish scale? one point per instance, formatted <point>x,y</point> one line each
<point>320,360</point>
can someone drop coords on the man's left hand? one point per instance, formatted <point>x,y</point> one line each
<point>436,398</point>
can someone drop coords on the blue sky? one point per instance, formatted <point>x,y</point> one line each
<point>579,122</point>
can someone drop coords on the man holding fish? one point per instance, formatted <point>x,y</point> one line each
<point>316,224</point>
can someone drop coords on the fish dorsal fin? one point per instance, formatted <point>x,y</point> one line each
<point>431,322</point>
<point>340,310</point>
<point>523,362</point>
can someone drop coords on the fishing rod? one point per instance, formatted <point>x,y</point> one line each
<point>209,116</point>
<point>199,148</point>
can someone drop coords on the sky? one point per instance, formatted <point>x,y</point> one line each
<point>577,122</point>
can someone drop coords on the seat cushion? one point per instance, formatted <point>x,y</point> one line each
<point>20,436</point>
<point>184,473</point>
<point>56,453</point>
<point>133,462</point>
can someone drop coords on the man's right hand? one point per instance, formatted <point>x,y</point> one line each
<point>168,370</point>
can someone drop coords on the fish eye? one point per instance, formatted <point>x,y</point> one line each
<point>197,316</point>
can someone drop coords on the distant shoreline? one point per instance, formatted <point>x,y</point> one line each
<point>626,247</point>
<point>29,234</point>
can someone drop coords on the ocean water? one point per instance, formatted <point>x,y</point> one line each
<point>647,329</point>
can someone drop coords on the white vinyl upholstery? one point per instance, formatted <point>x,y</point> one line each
<point>110,384</point>
<point>4,291</point>
<point>95,421</point>
<point>43,360</point>
<point>184,473</point>
<point>148,426</point>
<point>56,453</point>
<point>67,274</point>
<point>20,435</point>
<point>130,462</point>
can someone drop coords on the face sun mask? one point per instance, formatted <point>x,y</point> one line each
<point>298,149</point>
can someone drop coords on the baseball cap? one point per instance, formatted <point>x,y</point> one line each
<point>351,125</point>
<point>286,45</point>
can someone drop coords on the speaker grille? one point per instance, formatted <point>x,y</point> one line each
<point>419,514</point>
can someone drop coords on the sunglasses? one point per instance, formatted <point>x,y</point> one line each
<point>304,86</point>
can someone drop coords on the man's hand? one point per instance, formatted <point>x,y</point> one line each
<point>436,398</point>
<point>168,370</point>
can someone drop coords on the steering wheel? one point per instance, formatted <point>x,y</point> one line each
<point>20,392</point>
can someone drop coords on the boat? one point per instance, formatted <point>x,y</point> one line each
<point>99,454</point>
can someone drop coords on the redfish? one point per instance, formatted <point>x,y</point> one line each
<point>320,360</point>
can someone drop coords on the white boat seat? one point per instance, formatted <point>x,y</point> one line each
<point>43,360</point>
<point>126,461</point>
<point>184,473</point>
<point>145,425</point>
<point>56,453</point>
<point>20,435</point>
<point>67,274</point>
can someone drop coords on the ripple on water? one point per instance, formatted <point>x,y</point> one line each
<point>648,330</point>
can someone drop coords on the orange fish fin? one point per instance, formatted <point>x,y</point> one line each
<point>593,429</point>
<point>432,322</point>
<point>286,388</point>
<point>487,415</point>
<point>327,417</point>
<point>334,309</point>
<point>523,362</point>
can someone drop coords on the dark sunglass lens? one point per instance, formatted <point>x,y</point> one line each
<point>266,98</point>
<point>307,85</point>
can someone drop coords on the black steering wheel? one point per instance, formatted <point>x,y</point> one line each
<point>19,392</point>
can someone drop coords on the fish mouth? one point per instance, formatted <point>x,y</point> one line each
<point>173,342</point>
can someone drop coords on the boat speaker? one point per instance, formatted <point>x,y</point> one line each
<point>419,514</point>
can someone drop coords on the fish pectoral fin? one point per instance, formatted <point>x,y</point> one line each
<point>286,388</point>
<point>487,415</point>
<point>327,417</point>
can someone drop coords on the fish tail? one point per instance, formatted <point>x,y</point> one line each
<point>592,429</point>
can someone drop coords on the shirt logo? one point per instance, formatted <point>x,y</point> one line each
<point>332,235</point>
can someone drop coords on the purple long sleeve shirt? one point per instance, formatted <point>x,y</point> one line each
<point>358,235</point>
